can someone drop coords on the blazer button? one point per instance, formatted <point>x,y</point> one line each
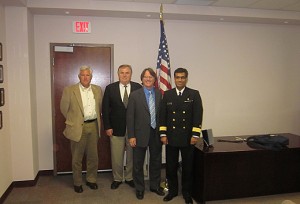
<point>173,119</point>
<point>173,127</point>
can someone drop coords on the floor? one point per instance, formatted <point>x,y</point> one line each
<point>59,190</point>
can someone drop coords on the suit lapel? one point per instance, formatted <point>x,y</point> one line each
<point>117,92</point>
<point>144,100</point>
<point>78,97</point>
<point>186,93</point>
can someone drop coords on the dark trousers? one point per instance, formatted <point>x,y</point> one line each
<point>139,153</point>
<point>172,156</point>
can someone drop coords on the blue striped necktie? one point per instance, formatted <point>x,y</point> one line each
<point>152,110</point>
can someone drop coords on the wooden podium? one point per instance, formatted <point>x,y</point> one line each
<point>234,170</point>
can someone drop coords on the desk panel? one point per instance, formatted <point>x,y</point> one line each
<point>234,170</point>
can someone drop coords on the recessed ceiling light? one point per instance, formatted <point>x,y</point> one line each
<point>67,12</point>
<point>285,22</point>
<point>148,15</point>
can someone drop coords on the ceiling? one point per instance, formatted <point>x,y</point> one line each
<point>284,5</point>
<point>244,11</point>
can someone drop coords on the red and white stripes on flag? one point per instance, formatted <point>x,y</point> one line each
<point>163,69</point>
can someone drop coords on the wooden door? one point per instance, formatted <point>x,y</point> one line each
<point>67,59</point>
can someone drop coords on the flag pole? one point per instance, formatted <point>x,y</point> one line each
<point>163,69</point>
<point>161,12</point>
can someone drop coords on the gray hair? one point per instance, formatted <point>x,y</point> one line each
<point>85,67</point>
<point>124,66</point>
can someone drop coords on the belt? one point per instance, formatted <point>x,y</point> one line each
<point>90,121</point>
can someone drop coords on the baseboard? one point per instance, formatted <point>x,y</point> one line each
<point>6,193</point>
<point>21,184</point>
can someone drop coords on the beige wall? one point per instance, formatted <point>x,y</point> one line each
<point>21,96</point>
<point>5,136</point>
<point>247,75</point>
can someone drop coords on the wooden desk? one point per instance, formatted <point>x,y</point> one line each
<point>234,170</point>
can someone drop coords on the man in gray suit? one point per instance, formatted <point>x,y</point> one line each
<point>142,118</point>
<point>80,104</point>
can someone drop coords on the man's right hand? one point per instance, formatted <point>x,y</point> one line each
<point>109,132</point>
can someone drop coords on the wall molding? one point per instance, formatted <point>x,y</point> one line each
<point>22,184</point>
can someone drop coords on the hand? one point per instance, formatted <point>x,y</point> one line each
<point>109,132</point>
<point>132,142</point>
<point>164,140</point>
<point>194,140</point>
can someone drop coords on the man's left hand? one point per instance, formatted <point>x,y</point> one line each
<point>194,140</point>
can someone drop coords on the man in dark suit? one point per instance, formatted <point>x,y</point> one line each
<point>180,127</point>
<point>142,122</point>
<point>80,104</point>
<point>114,107</point>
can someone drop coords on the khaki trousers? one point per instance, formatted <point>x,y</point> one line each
<point>118,146</point>
<point>86,145</point>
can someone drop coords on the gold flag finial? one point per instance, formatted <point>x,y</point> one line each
<point>161,12</point>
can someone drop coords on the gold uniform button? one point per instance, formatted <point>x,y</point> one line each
<point>183,127</point>
<point>174,112</point>
<point>173,119</point>
<point>173,127</point>
<point>183,111</point>
<point>183,119</point>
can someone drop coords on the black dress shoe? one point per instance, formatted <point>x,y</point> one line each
<point>93,186</point>
<point>140,195</point>
<point>78,189</point>
<point>115,184</point>
<point>158,191</point>
<point>169,197</point>
<point>130,183</point>
<point>188,200</point>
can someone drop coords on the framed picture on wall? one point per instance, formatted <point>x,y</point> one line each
<point>1,74</point>
<point>1,122</point>
<point>2,101</point>
<point>1,52</point>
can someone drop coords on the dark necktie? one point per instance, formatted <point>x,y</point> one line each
<point>179,94</point>
<point>125,98</point>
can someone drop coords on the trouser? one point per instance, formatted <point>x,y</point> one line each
<point>187,155</point>
<point>118,145</point>
<point>139,153</point>
<point>86,145</point>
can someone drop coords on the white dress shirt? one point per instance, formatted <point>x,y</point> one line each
<point>88,101</point>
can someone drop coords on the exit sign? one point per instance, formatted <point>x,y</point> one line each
<point>81,27</point>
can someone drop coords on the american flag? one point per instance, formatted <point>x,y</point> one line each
<point>163,69</point>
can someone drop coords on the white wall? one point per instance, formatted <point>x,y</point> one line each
<point>21,94</point>
<point>247,74</point>
<point>5,142</point>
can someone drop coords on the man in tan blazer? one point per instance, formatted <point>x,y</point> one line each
<point>80,104</point>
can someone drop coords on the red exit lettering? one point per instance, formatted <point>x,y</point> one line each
<point>81,27</point>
